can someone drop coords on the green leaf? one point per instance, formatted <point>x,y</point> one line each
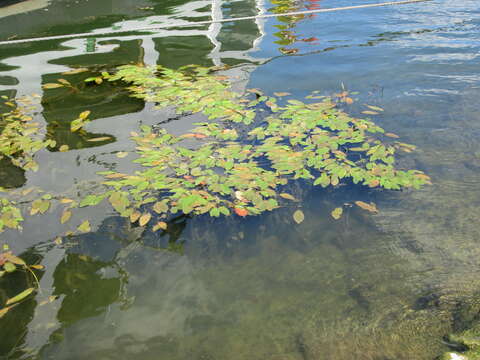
<point>20,296</point>
<point>9,267</point>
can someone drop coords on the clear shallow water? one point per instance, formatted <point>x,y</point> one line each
<point>388,286</point>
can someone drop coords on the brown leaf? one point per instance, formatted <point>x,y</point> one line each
<point>392,135</point>
<point>8,256</point>
<point>287,196</point>
<point>5,310</point>
<point>369,207</point>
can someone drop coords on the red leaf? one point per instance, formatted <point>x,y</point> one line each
<point>241,212</point>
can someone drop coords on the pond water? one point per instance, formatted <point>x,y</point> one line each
<point>375,287</point>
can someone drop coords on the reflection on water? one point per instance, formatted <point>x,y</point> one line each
<point>388,286</point>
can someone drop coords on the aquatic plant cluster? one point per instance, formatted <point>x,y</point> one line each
<point>239,159</point>
<point>241,168</point>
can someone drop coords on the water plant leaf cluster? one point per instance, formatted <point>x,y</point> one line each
<point>241,161</point>
<point>236,162</point>
<point>20,135</point>
<point>10,263</point>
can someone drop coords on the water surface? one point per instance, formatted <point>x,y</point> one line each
<point>386,286</point>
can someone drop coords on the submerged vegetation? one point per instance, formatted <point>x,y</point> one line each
<point>234,162</point>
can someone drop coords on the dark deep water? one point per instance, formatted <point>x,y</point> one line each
<point>375,287</point>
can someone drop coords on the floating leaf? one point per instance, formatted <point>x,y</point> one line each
<point>37,267</point>
<point>66,215</point>
<point>287,196</point>
<point>13,259</point>
<point>376,108</point>
<point>84,114</point>
<point>5,310</point>
<point>116,176</point>
<point>241,211</point>
<point>9,267</point>
<point>63,148</point>
<point>160,207</point>
<point>20,296</point>
<point>392,135</point>
<point>144,219</point>
<point>52,86</point>
<point>368,112</point>
<point>337,213</point>
<point>84,227</point>
<point>66,201</point>
<point>58,240</point>
<point>75,71</point>
<point>64,82</point>
<point>135,216</point>
<point>280,94</point>
<point>98,139</point>
<point>369,207</point>
<point>122,154</point>
<point>160,225</point>
<point>298,216</point>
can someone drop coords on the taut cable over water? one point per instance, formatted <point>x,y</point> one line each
<point>207,22</point>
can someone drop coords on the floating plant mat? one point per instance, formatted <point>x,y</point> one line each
<point>242,160</point>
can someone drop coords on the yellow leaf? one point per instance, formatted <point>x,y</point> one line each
<point>376,108</point>
<point>144,219</point>
<point>135,216</point>
<point>83,115</point>
<point>287,196</point>
<point>116,176</point>
<point>63,148</point>
<point>85,227</point>
<point>160,225</point>
<point>103,138</point>
<point>122,154</point>
<point>37,267</point>
<point>66,201</point>
<point>52,86</point>
<point>65,216</point>
<point>280,94</point>
<point>58,240</point>
<point>64,82</point>
<point>75,71</point>
<point>337,213</point>
<point>298,216</point>
<point>368,112</point>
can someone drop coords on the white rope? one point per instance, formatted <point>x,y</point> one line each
<point>207,22</point>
